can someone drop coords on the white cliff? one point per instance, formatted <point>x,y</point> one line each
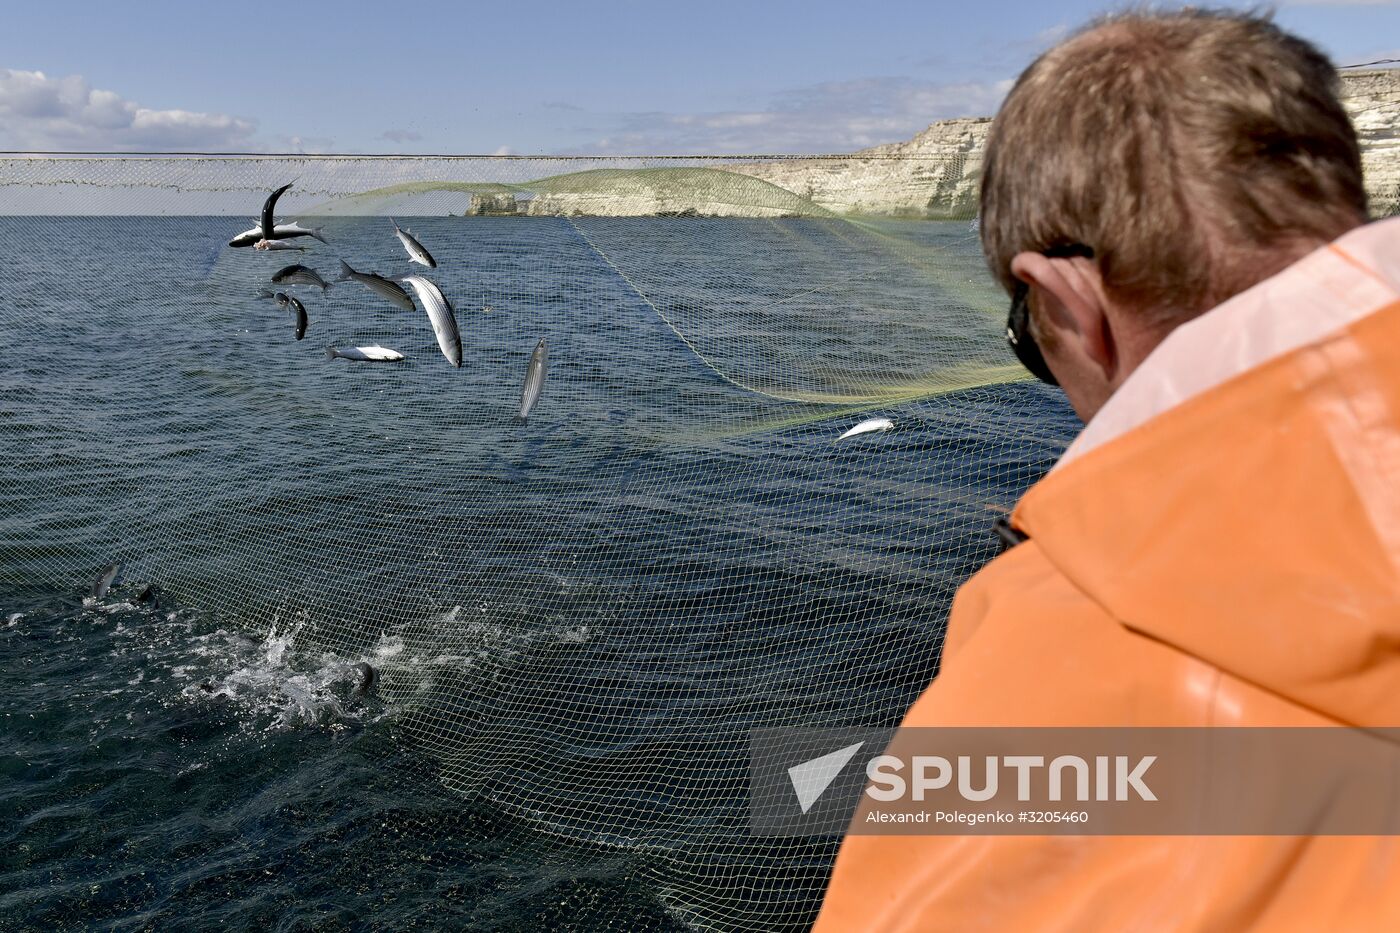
<point>932,175</point>
<point>1373,100</point>
<point>935,174</point>
<point>659,191</point>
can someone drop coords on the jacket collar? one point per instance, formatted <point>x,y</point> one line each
<point>1321,293</point>
<point>1241,501</point>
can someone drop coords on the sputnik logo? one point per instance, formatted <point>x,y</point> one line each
<point>810,779</point>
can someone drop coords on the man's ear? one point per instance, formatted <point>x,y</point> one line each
<point>1076,309</point>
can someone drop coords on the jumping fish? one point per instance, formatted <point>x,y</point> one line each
<point>441,315</point>
<point>868,425</point>
<point>277,244</point>
<point>149,596</point>
<point>283,231</point>
<point>299,275</point>
<point>299,310</point>
<point>106,580</point>
<point>268,226</point>
<point>416,252</point>
<point>381,286</point>
<point>366,677</point>
<point>373,354</point>
<point>534,379</point>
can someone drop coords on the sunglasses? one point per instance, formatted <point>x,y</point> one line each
<point>1018,320</point>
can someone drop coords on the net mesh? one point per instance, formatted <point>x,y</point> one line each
<point>578,618</point>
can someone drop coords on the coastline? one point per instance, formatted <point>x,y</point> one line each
<point>933,176</point>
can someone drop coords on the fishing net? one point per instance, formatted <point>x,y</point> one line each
<point>577,618</point>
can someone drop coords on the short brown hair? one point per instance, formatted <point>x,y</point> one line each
<point>1185,148</point>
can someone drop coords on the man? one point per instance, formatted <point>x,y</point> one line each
<point>1177,200</point>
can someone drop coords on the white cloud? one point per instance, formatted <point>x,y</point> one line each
<point>504,151</point>
<point>39,112</point>
<point>839,116</point>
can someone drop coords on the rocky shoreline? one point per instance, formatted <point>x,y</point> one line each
<point>1373,100</point>
<point>932,176</point>
<point>935,174</point>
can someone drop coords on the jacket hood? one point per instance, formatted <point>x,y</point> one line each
<point>1239,497</point>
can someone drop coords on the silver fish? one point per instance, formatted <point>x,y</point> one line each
<point>416,252</point>
<point>268,226</point>
<point>299,310</point>
<point>868,425</point>
<point>277,244</point>
<point>108,579</point>
<point>283,231</point>
<point>381,286</point>
<point>534,379</point>
<point>287,229</point>
<point>299,275</point>
<point>374,354</point>
<point>441,315</point>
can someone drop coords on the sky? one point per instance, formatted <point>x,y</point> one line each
<point>526,77</point>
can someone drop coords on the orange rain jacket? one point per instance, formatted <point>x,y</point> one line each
<point>1220,546</point>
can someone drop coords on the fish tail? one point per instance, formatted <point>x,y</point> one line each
<point>345,271</point>
<point>316,234</point>
<point>332,353</point>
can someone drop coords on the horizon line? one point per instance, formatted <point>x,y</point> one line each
<point>141,153</point>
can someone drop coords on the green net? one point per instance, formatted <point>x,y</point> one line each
<point>577,618</point>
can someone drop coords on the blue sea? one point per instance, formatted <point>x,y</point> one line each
<point>575,619</point>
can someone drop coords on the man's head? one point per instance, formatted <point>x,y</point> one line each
<point>1193,153</point>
